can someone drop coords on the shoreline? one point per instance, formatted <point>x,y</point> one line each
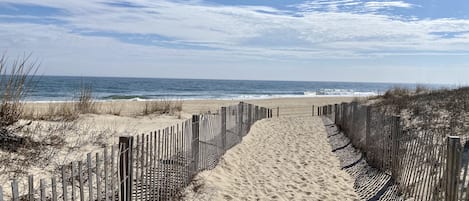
<point>186,107</point>
<point>205,99</point>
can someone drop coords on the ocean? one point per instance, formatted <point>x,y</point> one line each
<point>65,88</point>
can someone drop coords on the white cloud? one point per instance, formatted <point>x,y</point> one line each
<point>235,33</point>
<point>235,28</point>
<point>376,5</point>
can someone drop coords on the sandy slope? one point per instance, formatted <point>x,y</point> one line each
<point>287,158</point>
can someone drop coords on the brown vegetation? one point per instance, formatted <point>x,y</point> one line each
<point>427,108</point>
<point>16,81</point>
<point>162,107</point>
<point>85,103</point>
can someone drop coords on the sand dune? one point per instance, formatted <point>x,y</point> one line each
<point>287,158</point>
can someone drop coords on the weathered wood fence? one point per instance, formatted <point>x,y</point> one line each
<point>154,166</point>
<point>297,111</point>
<point>425,163</point>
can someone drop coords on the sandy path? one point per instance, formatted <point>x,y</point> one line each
<point>280,159</point>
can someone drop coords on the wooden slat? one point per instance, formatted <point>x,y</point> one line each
<point>150,184</point>
<point>98,178</point>
<point>54,189</point>
<point>14,190</point>
<point>31,188</point>
<point>90,177</point>
<point>64,183</point>
<point>42,187</point>
<point>119,178</point>
<point>106,174</point>
<point>155,166</point>
<point>158,178</point>
<point>147,169</point>
<point>80,179</point>
<point>114,173</point>
<point>440,176</point>
<point>466,190</point>
<point>178,157</point>
<point>171,170</point>
<point>137,176</point>
<point>142,166</point>
<point>453,165</point>
<point>165,167</point>
<point>73,181</point>
<point>1,193</point>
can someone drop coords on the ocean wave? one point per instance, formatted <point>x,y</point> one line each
<point>124,97</point>
<point>340,92</point>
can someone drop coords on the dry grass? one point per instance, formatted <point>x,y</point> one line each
<point>85,103</point>
<point>50,144</point>
<point>396,92</point>
<point>16,80</point>
<point>421,89</point>
<point>169,107</point>
<point>68,110</point>
<point>431,109</point>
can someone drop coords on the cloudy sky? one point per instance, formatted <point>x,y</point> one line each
<point>414,41</point>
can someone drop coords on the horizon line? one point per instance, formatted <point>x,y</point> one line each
<point>234,79</point>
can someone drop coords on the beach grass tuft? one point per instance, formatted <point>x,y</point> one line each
<point>16,81</point>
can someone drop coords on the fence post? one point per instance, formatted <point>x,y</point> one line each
<point>125,167</point>
<point>240,119</point>
<point>367,130</point>
<point>312,110</point>
<point>1,194</point>
<point>395,134</point>
<point>278,111</point>
<point>261,114</point>
<point>342,122</point>
<point>453,157</point>
<point>14,191</point>
<point>249,124</point>
<point>195,144</point>
<point>335,113</point>
<point>256,113</point>
<point>223,128</point>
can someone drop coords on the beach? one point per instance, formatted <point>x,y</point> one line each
<point>67,141</point>
<point>286,158</point>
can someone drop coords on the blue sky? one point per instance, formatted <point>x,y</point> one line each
<point>317,40</point>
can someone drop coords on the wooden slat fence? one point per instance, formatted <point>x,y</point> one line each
<point>154,166</point>
<point>301,111</point>
<point>425,163</point>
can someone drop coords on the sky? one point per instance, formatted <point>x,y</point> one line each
<point>414,41</point>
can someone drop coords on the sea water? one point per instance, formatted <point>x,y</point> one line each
<point>65,88</point>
